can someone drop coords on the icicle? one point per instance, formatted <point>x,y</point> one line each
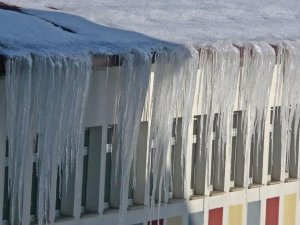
<point>255,84</point>
<point>46,95</point>
<point>135,74</point>
<point>289,109</point>
<point>219,67</point>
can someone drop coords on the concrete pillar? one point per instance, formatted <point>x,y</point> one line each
<point>52,201</point>
<point>294,151</point>
<point>227,159</point>
<point>70,206</point>
<point>96,169</point>
<point>27,184</point>
<point>178,179</point>
<point>188,160</point>
<point>201,184</point>
<point>261,152</point>
<point>115,182</point>
<point>139,196</point>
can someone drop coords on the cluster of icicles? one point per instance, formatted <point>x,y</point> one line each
<point>47,95</point>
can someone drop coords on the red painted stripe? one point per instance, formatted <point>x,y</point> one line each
<point>155,222</point>
<point>272,211</point>
<point>215,216</point>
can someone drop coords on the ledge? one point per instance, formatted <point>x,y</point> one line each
<point>235,188</point>
<point>254,185</point>
<point>196,197</point>
<point>289,180</point>
<point>216,193</point>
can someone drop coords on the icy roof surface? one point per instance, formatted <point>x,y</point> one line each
<point>183,21</point>
<point>187,20</point>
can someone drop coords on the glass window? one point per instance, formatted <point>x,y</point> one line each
<point>110,134</point>
<point>6,200</point>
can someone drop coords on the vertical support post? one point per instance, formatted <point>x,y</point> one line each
<point>201,185</point>
<point>27,185</point>
<point>294,151</point>
<point>188,159</point>
<point>96,169</point>
<point>139,196</point>
<point>178,179</point>
<point>115,182</point>
<point>227,159</point>
<point>70,202</point>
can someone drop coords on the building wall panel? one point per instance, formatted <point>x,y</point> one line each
<point>253,213</point>
<point>196,218</point>
<point>289,209</point>
<point>176,220</point>
<point>215,216</point>
<point>272,211</point>
<point>235,215</point>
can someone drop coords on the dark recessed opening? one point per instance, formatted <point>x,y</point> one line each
<point>2,65</point>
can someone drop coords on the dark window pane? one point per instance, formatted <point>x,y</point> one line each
<point>36,142</point>
<point>6,201</point>
<point>107,177</point>
<point>84,180</point>
<point>130,186</point>
<point>193,165</point>
<point>6,148</point>
<point>34,190</point>
<point>86,137</point>
<point>58,191</point>
<point>233,159</point>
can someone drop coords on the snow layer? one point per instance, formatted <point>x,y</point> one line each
<point>39,30</point>
<point>187,21</point>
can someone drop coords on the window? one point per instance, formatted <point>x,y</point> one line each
<point>58,193</point>
<point>215,146</point>
<point>110,135</point>
<point>270,163</point>
<point>172,157</point>
<point>235,147</point>
<point>194,151</point>
<point>6,200</point>
<point>34,182</point>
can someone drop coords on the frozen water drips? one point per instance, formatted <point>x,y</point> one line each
<point>174,86</point>
<point>219,67</point>
<point>46,95</point>
<point>134,81</point>
<point>289,53</point>
<point>255,85</point>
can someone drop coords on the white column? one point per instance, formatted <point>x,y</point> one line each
<point>139,196</point>
<point>96,169</point>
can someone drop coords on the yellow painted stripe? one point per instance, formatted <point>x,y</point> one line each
<point>235,215</point>
<point>290,209</point>
<point>177,220</point>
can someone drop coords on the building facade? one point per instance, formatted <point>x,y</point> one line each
<point>266,193</point>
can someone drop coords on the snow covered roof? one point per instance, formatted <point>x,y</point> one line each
<point>112,26</point>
